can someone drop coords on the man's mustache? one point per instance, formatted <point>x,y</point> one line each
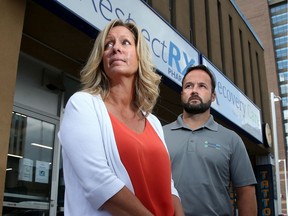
<point>194,97</point>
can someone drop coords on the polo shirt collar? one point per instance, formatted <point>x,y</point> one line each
<point>210,124</point>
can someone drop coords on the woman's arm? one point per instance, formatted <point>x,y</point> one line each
<point>177,206</point>
<point>83,139</point>
<point>125,203</point>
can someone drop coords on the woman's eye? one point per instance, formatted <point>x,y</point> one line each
<point>108,45</point>
<point>126,42</point>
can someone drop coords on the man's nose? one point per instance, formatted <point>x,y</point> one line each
<point>194,90</point>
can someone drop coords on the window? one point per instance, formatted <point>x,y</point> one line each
<point>284,89</point>
<point>284,101</point>
<point>279,18</point>
<point>282,64</point>
<point>281,40</point>
<point>285,114</point>
<point>279,8</point>
<point>286,127</point>
<point>283,76</point>
<point>282,52</point>
<point>280,29</point>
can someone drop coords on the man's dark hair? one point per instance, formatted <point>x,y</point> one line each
<point>204,68</point>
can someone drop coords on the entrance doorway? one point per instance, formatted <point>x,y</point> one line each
<point>32,171</point>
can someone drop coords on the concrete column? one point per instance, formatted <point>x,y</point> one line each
<point>11,25</point>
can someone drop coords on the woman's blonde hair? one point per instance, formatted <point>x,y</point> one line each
<point>95,80</point>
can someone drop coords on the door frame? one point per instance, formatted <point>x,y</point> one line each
<point>43,116</point>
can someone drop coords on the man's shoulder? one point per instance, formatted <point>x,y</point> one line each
<point>169,126</point>
<point>224,128</point>
<point>227,131</point>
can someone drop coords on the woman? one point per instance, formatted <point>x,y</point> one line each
<point>114,156</point>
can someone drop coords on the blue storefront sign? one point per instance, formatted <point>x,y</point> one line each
<point>172,54</point>
<point>235,105</point>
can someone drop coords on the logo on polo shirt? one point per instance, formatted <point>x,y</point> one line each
<point>212,145</point>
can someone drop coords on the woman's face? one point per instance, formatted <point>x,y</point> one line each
<point>120,56</point>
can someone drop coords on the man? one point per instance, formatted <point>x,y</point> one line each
<point>206,156</point>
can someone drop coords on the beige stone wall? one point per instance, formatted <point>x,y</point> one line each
<point>258,12</point>
<point>11,24</point>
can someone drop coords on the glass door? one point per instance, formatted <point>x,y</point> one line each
<point>32,171</point>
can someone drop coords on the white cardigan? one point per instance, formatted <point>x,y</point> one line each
<point>93,171</point>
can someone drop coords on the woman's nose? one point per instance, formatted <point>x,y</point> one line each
<point>117,47</point>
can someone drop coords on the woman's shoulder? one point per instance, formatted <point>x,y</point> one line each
<point>82,96</point>
<point>85,100</point>
<point>153,120</point>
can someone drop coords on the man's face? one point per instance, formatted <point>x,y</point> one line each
<point>196,95</point>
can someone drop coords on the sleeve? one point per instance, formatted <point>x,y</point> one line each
<point>82,141</point>
<point>242,173</point>
<point>159,130</point>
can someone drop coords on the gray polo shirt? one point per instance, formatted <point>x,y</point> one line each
<point>204,161</point>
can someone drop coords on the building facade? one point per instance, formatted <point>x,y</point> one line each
<point>274,35</point>
<point>44,44</point>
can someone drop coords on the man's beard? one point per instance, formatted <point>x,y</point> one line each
<point>196,108</point>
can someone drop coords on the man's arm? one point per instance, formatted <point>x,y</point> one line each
<point>246,201</point>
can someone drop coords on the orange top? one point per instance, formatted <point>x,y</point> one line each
<point>148,165</point>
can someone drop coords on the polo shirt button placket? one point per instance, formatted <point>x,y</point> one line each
<point>191,143</point>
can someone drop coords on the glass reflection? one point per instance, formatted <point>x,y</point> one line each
<point>29,165</point>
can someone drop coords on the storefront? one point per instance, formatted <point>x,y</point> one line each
<point>56,39</point>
